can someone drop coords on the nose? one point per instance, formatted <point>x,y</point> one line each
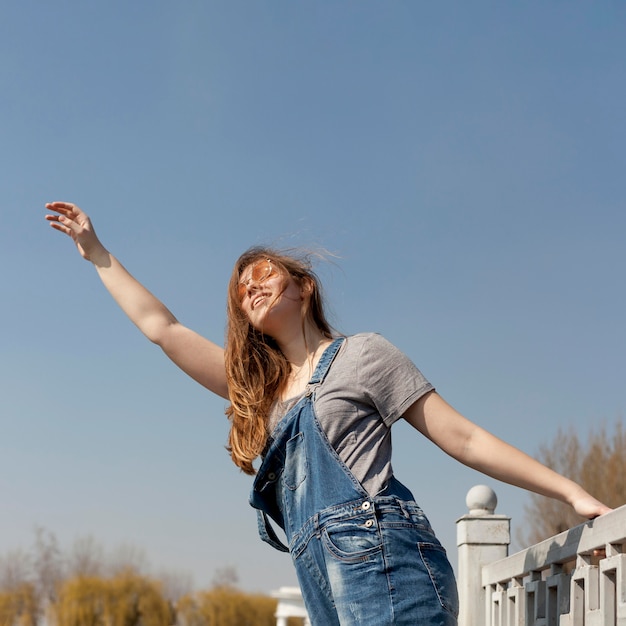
<point>251,286</point>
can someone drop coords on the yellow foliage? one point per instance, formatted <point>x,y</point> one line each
<point>124,600</point>
<point>226,606</point>
<point>18,606</point>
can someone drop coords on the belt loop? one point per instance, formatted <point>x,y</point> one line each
<point>404,511</point>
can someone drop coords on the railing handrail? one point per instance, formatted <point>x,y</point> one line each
<point>600,533</point>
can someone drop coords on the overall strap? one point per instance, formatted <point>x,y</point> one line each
<point>266,531</point>
<point>325,362</point>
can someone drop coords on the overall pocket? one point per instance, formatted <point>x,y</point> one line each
<point>352,540</point>
<point>441,575</point>
<point>296,464</point>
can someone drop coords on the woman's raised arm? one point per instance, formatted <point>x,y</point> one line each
<point>475,447</point>
<point>198,357</point>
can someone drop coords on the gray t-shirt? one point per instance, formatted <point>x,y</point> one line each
<point>368,387</point>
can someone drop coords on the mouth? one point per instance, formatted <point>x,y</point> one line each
<point>259,300</point>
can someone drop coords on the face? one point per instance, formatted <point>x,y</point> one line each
<point>269,297</point>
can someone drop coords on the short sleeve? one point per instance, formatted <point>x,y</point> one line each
<point>389,378</point>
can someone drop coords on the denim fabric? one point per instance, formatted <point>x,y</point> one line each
<point>360,560</point>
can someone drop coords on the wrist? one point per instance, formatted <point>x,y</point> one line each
<point>99,256</point>
<point>574,493</point>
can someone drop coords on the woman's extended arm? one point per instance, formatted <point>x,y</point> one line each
<point>196,356</point>
<point>475,447</point>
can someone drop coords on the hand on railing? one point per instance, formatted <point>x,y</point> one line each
<point>587,506</point>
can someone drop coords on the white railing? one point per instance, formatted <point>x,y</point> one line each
<point>576,578</point>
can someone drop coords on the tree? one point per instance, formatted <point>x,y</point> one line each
<point>19,606</point>
<point>127,557</point>
<point>599,465</point>
<point>127,599</point>
<point>19,601</point>
<point>175,585</point>
<point>86,558</point>
<point>15,569</point>
<point>47,565</point>
<point>226,576</point>
<point>75,591</point>
<point>226,606</point>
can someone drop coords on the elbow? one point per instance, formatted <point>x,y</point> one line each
<point>158,331</point>
<point>154,338</point>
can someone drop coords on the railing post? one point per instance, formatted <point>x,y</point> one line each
<point>481,537</point>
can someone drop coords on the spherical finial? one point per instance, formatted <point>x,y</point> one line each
<point>481,500</point>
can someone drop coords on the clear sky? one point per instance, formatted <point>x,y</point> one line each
<point>463,161</point>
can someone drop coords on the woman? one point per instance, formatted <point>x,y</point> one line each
<point>317,409</point>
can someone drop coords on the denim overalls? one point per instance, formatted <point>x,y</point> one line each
<point>359,559</point>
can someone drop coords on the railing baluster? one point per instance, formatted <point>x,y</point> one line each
<point>498,603</point>
<point>557,597</point>
<point>535,600</point>
<point>613,589</point>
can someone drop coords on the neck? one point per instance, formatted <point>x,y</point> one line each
<point>301,348</point>
<point>303,352</point>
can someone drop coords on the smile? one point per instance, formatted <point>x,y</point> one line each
<point>258,300</point>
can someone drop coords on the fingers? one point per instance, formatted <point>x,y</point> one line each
<point>61,222</point>
<point>57,225</point>
<point>61,206</point>
<point>68,214</point>
<point>64,208</point>
<point>67,219</point>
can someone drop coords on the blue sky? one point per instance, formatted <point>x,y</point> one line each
<point>463,162</point>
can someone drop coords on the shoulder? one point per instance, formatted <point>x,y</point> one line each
<point>375,356</point>
<point>367,338</point>
<point>367,353</point>
<point>369,342</point>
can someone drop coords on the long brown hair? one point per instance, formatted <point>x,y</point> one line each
<point>256,368</point>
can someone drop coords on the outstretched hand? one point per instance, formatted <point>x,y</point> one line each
<point>587,506</point>
<point>69,219</point>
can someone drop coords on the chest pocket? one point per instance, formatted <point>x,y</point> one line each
<point>296,463</point>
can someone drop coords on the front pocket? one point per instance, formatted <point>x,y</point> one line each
<point>351,540</point>
<point>441,575</point>
<point>296,464</point>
